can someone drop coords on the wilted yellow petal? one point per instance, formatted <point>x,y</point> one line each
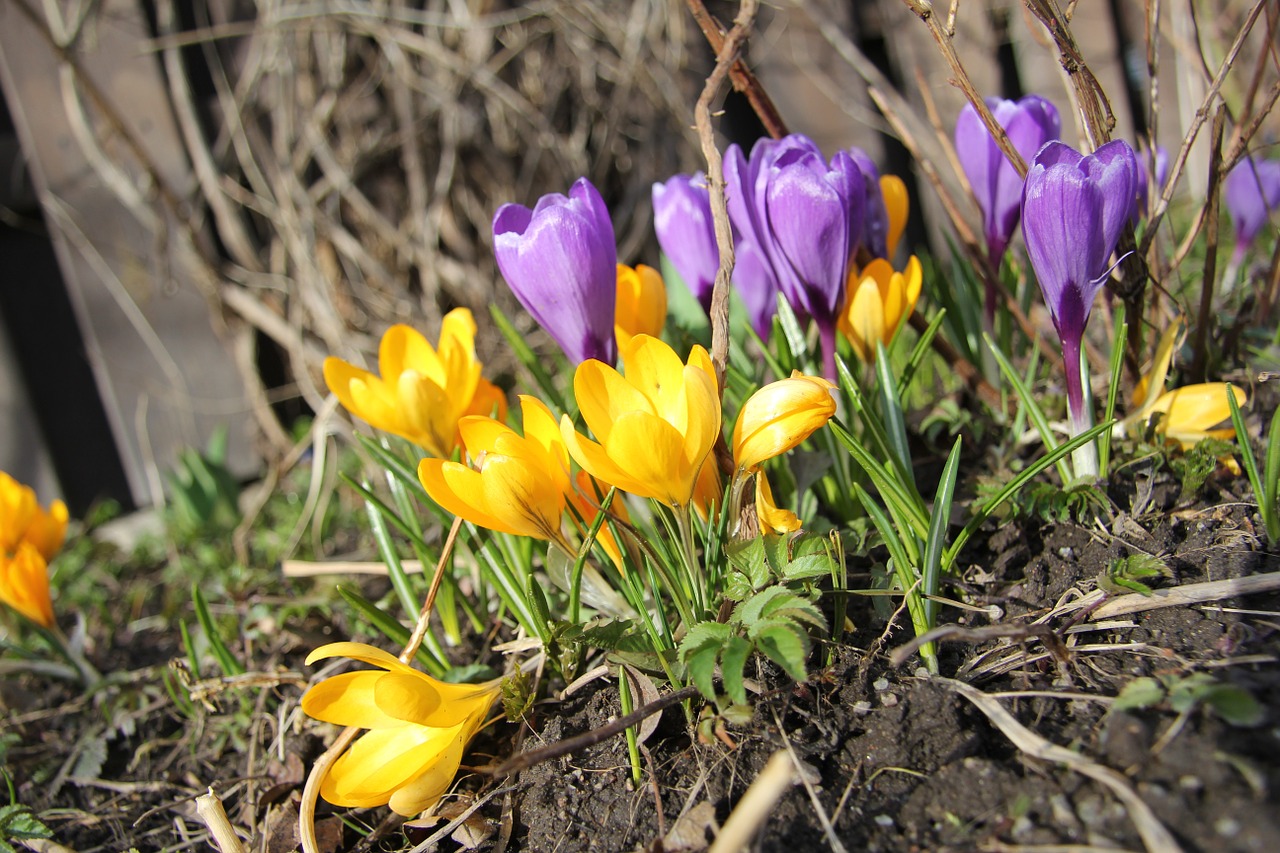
<point>384,760</point>
<point>779,416</point>
<point>1151,385</point>
<point>422,793</point>
<point>642,303</point>
<point>896,205</point>
<point>1190,411</point>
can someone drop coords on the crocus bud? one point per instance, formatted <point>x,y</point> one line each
<point>896,204</point>
<point>642,303</point>
<point>686,232</point>
<point>1073,209</point>
<point>1029,122</point>
<point>805,216</point>
<point>561,261</point>
<point>780,416</point>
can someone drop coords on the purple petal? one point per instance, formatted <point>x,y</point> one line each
<point>755,283</point>
<point>811,214</point>
<point>1062,224</point>
<point>686,232</point>
<point>1251,190</point>
<point>875,223</point>
<point>560,260</point>
<point>1113,168</point>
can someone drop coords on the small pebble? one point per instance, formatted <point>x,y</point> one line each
<point>1227,827</point>
<point>921,672</point>
<point>862,706</point>
<point>883,820</point>
<point>1190,783</point>
<point>1066,552</point>
<point>889,700</point>
<point>881,685</point>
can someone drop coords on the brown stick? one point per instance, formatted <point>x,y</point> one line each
<point>1200,344</point>
<point>740,75</point>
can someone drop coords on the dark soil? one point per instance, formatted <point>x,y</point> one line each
<point>891,759</point>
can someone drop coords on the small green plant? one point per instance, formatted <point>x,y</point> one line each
<point>18,823</point>
<point>1049,502</point>
<point>204,494</point>
<point>1127,574</point>
<point>1184,693</point>
<point>1265,483</point>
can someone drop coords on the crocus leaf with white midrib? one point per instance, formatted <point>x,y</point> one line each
<point>1074,207</point>
<point>560,260</point>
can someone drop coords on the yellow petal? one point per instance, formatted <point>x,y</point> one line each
<point>779,416</point>
<point>642,303</point>
<point>17,507</point>
<point>1151,385</point>
<point>864,322</point>
<point>48,530</point>
<point>348,699</point>
<point>896,205</point>
<point>603,394</point>
<point>24,584</point>
<point>1194,408</point>
<point>384,760</point>
<point>772,519</point>
<point>654,369</point>
<point>541,426</point>
<point>422,793</point>
<point>362,652</point>
<point>707,490</point>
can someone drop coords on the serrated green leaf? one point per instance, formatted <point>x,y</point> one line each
<point>1140,693</point>
<point>19,822</point>
<point>749,558</point>
<point>811,566</point>
<point>784,643</point>
<point>733,663</point>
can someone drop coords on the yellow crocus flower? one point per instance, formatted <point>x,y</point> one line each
<point>780,416</point>
<point>29,537</point>
<point>1188,413</point>
<point>519,483</point>
<point>24,583</point>
<point>418,729</point>
<point>879,300</point>
<point>642,303</point>
<point>896,205</point>
<point>654,427</point>
<point>772,519</point>
<point>422,391</point>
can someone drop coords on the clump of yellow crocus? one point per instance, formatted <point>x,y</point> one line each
<point>518,484</point>
<point>879,299</point>
<point>418,729</point>
<point>29,537</point>
<point>654,427</point>
<point>1188,414</point>
<point>642,303</point>
<point>423,391</point>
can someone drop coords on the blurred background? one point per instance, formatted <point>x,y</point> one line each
<point>199,201</point>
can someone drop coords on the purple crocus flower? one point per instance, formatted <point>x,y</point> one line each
<point>805,216</point>
<point>1251,192</point>
<point>757,286</point>
<point>1029,122</point>
<point>686,232</point>
<point>561,262</point>
<point>1074,207</point>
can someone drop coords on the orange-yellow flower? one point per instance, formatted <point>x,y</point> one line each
<point>586,500</point>
<point>418,729</point>
<point>896,205</point>
<point>654,427</point>
<point>879,300</point>
<point>29,537</point>
<point>642,304</point>
<point>519,483</point>
<point>772,519</point>
<point>780,416</point>
<point>422,391</point>
<point>24,584</point>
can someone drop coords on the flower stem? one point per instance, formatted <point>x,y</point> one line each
<point>1084,459</point>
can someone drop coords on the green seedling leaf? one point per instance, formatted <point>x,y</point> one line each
<point>1235,705</point>
<point>1139,694</point>
<point>19,823</point>
<point>751,562</point>
<point>226,660</point>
